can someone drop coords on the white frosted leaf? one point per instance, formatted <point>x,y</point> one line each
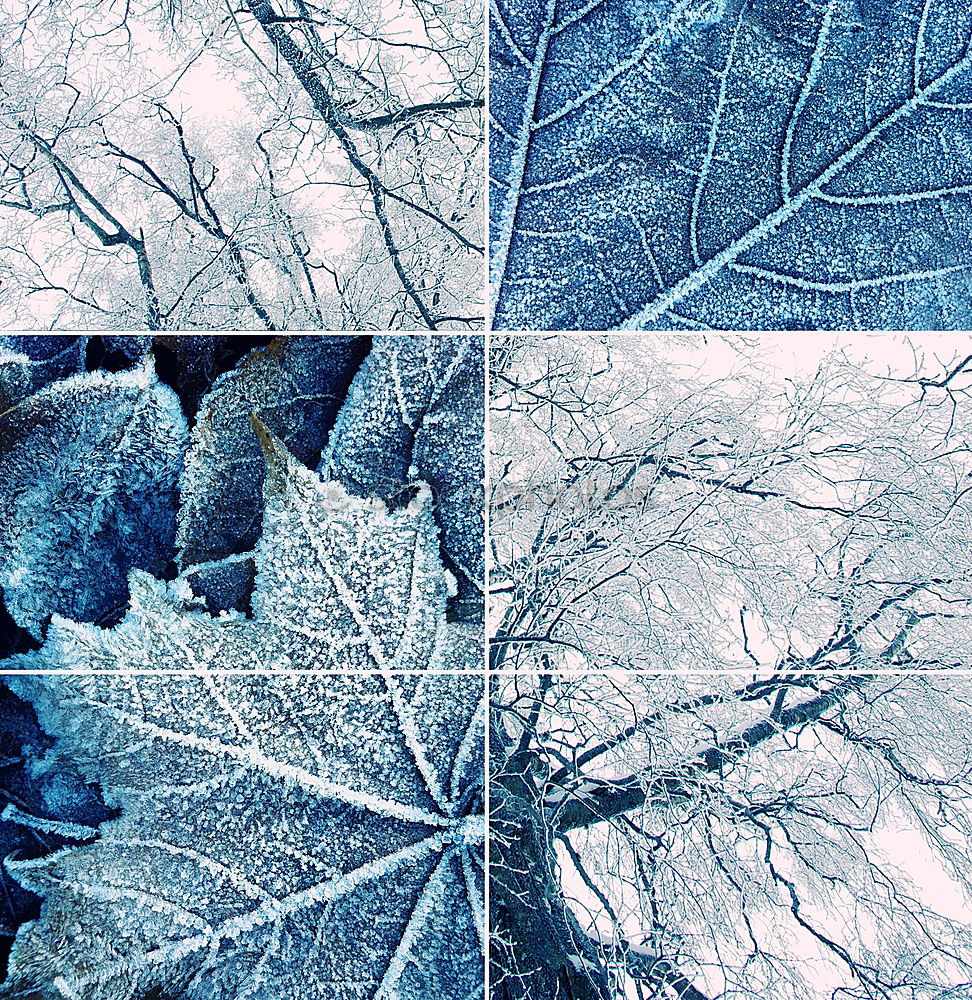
<point>276,838</point>
<point>720,165</point>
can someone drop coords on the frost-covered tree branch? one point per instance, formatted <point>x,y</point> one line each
<point>652,507</point>
<point>798,837</point>
<point>731,636</point>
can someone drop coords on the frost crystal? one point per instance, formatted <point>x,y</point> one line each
<point>27,363</point>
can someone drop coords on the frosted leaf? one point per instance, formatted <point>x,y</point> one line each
<point>88,473</point>
<point>345,571</point>
<point>28,362</point>
<point>224,584</point>
<point>713,164</point>
<point>280,836</point>
<point>41,787</point>
<point>194,362</point>
<point>295,385</point>
<point>341,583</point>
<point>415,413</point>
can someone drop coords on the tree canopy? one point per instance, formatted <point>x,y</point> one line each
<point>731,696</point>
<point>189,164</point>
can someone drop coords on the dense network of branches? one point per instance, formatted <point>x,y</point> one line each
<point>263,165</point>
<point>801,836</point>
<point>690,505</point>
<point>731,641</point>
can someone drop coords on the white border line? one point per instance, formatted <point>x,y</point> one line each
<point>744,672</point>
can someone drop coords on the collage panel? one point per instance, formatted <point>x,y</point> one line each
<point>802,836</point>
<point>242,502</point>
<point>226,837</point>
<point>725,503</point>
<point>242,721</point>
<point>266,165</point>
<point>730,165</point>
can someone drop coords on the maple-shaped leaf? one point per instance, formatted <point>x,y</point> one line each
<point>89,467</point>
<point>341,583</point>
<point>692,164</point>
<point>279,836</point>
<point>415,414</point>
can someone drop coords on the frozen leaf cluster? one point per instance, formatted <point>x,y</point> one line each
<point>156,465</point>
<point>274,835</point>
<point>341,583</point>
<point>27,363</point>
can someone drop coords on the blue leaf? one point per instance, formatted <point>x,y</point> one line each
<point>88,474</point>
<point>42,784</point>
<point>716,163</point>
<point>415,414</point>
<point>296,385</point>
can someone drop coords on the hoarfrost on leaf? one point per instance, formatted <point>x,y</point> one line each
<point>29,362</point>
<point>415,414</point>
<point>271,835</point>
<point>341,583</point>
<point>684,164</point>
<point>88,474</point>
<point>279,836</point>
<point>296,385</point>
